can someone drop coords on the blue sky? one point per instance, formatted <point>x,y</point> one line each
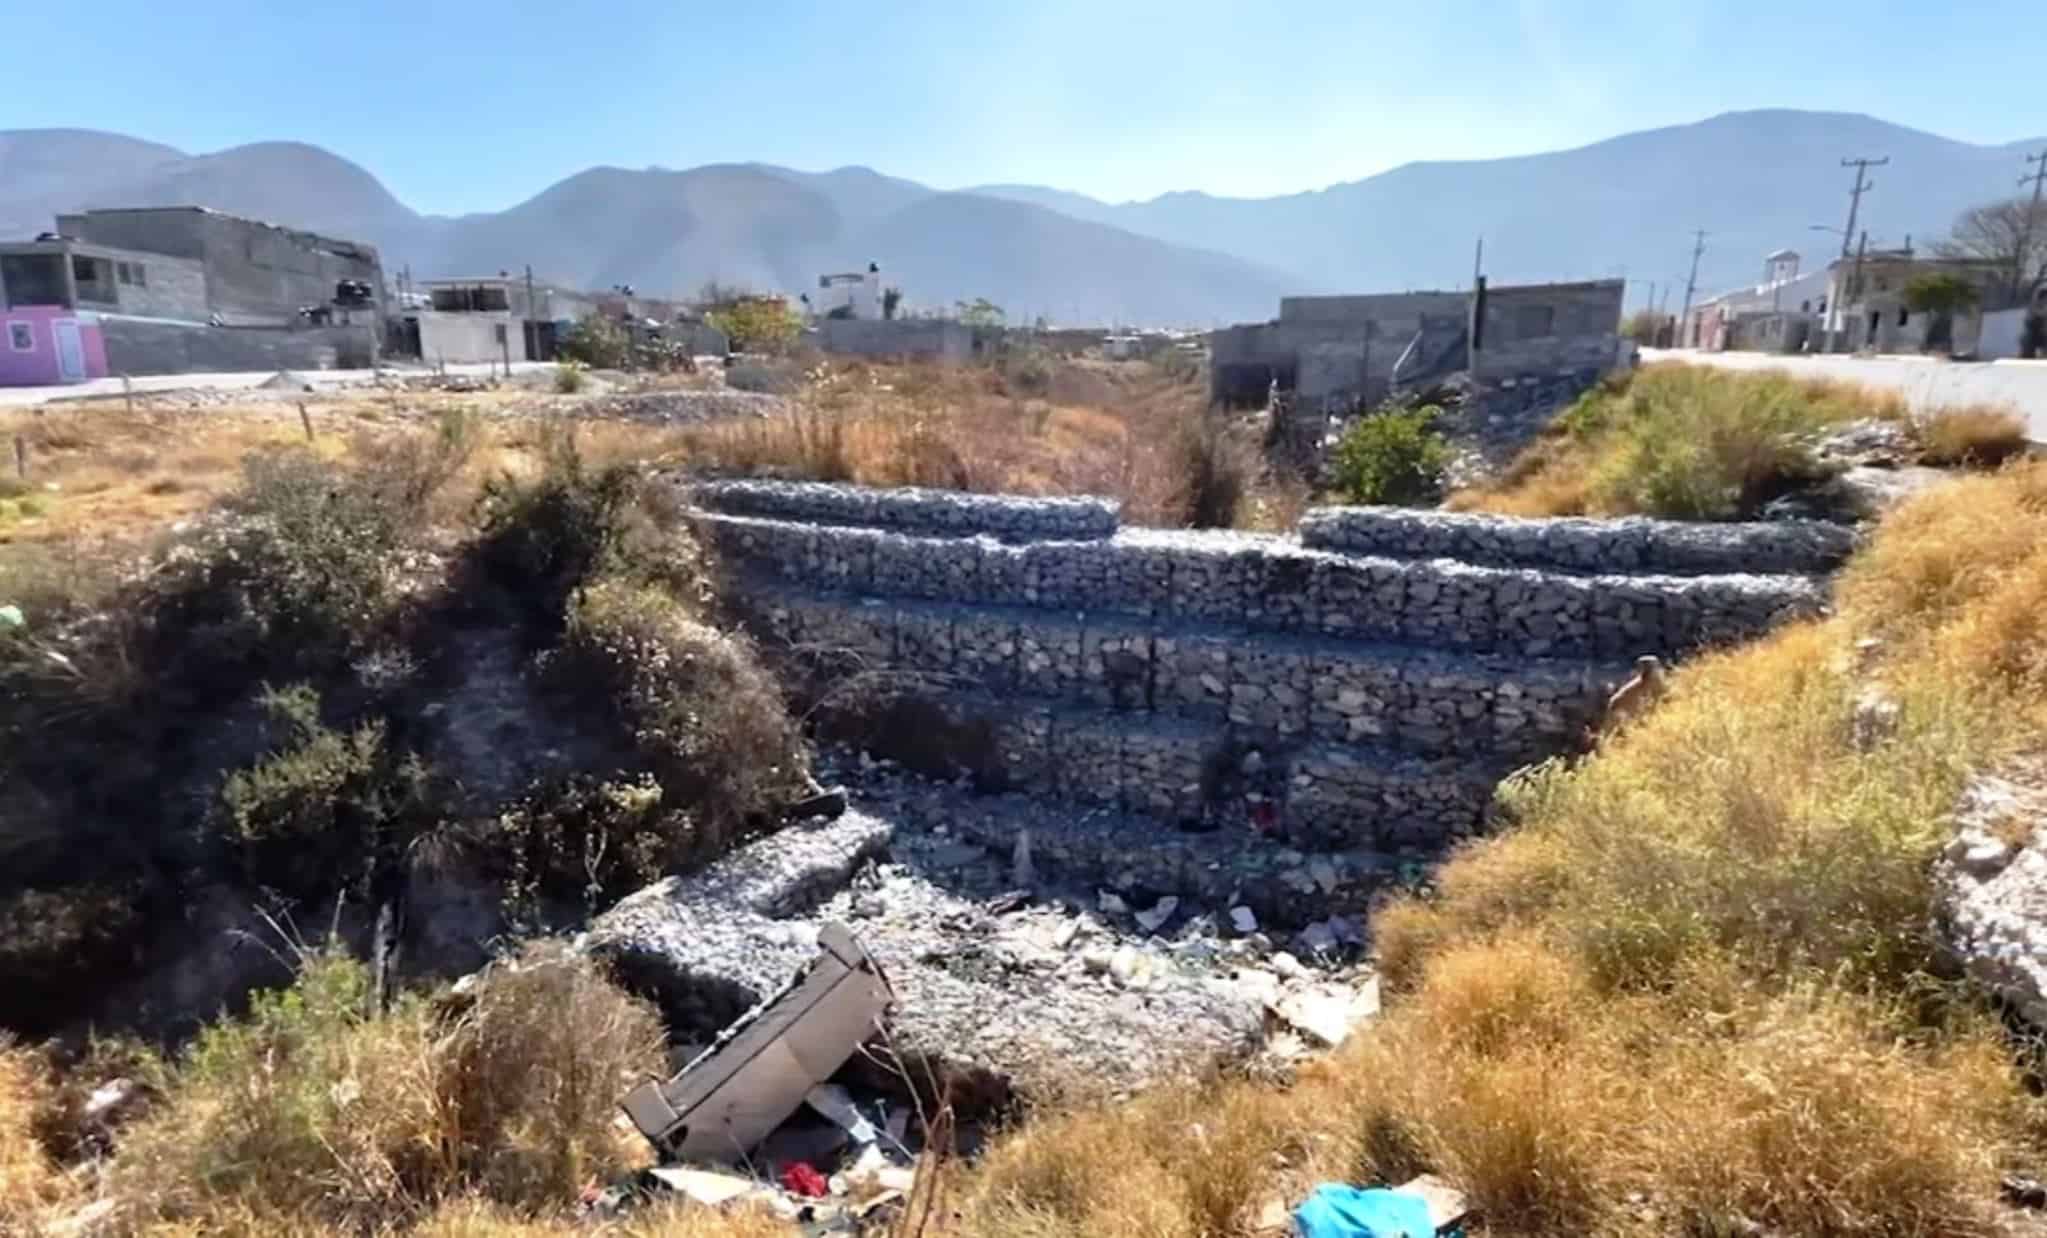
<point>467,106</point>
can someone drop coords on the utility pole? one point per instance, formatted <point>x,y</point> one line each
<point>1862,186</point>
<point>2037,176</point>
<point>530,329</point>
<point>1692,281</point>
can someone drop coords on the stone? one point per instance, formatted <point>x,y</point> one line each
<point>1324,874</point>
<point>1875,719</point>
<point>1109,903</point>
<point>1318,939</point>
<point>1130,968</point>
<point>1243,919</point>
<point>1151,921</point>
<point>1288,967</point>
<point>1990,883</point>
<point>1097,962</point>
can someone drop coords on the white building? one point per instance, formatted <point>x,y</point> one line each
<point>851,294</point>
<point>1775,315</point>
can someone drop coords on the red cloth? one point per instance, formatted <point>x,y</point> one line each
<point>798,1178</point>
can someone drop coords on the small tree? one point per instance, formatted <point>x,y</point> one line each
<point>1393,456</point>
<point>758,324</point>
<point>599,343</point>
<point>980,312</point>
<point>1942,294</point>
<point>891,298</point>
<point>2011,235</point>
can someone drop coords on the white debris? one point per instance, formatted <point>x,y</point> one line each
<point>1161,912</point>
<point>1243,920</point>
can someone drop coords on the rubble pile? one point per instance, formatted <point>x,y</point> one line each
<point>991,992</point>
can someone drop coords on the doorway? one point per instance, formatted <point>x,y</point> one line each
<point>70,350</point>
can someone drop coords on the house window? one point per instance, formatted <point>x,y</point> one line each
<point>1805,306</point>
<point>121,273</point>
<point>22,336</point>
<point>1533,322</point>
<point>1903,314</point>
<point>499,332</point>
<point>1823,305</point>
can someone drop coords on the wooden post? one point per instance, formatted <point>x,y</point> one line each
<point>21,457</point>
<point>128,393</point>
<point>306,420</point>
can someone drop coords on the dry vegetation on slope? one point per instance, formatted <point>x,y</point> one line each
<point>1691,443</point>
<point>1690,990</point>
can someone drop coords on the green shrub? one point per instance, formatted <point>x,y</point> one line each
<point>543,539</point>
<point>323,800</point>
<point>586,839</point>
<point>1392,456</point>
<point>569,376</point>
<point>703,712</point>
<point>599,343</point>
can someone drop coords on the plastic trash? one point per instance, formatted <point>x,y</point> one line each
<point>1334,1210</point>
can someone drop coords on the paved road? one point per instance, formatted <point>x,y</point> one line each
<point>1925,382</point>
<point>19,397</point>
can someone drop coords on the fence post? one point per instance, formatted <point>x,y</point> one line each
<point>21,457</point>
<point>306,420</point>
<point>128,393</point>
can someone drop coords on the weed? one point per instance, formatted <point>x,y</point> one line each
<point>570,375</point>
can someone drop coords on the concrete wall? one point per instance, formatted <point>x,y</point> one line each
<point>136,346</point>
<point>2002,335</point>
<point>465,339</point>
<point>900,337</point>
<point>1538,328</point>
<point>256,273</point>
<point>1384,694</point>
<point>38,364</point>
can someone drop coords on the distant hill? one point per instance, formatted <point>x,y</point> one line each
<point>668,231</point>
<point>1754,180</point>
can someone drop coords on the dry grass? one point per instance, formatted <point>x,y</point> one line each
<point>1133,432</point>
<point>1971,437</point>
<point>1680,441</point>
<point>313,1109</point>
<point>28,1178</point>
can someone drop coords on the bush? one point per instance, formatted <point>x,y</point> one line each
<point>585,839</point>
<point>28,1178</point>
<point>313,1108</point>
<point>758,324</point>
<point>1392,456</point>
<point>709,720</point>
<point>570,376</point>
<point>543,539</point>
<point>599,343</point>
<point>321,802</point>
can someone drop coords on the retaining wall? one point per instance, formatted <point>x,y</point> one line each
<point>1220,679</point>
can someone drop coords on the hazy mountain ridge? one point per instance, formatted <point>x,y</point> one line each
<point>1628,204</point>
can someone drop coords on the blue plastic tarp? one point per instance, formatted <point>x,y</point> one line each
<point>1334,1210</point>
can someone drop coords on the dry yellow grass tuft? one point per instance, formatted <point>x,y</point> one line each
<point>1973,437</point>
<point>28,1180</point>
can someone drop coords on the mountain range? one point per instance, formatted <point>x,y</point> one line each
<point>1754,181</point>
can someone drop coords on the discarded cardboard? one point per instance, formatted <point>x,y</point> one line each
<point>719,1106</point>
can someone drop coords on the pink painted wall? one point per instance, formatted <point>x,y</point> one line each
<point>38,365</point>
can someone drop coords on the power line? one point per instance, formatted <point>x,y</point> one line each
<point>1692,281</point>
<point>2037,176</point>
<point>1862,186</point>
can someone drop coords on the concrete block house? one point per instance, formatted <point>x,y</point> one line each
<point>171,290</point>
